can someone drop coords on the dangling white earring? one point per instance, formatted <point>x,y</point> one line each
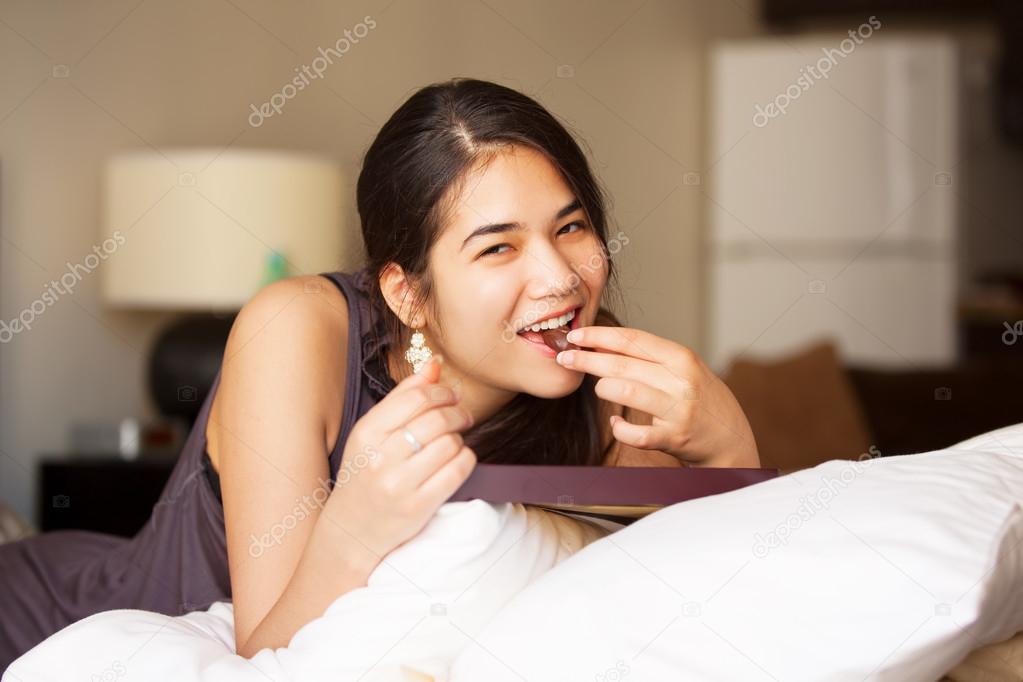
<point>418,352</point>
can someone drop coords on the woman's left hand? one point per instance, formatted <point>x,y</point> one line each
<point>695,416</point>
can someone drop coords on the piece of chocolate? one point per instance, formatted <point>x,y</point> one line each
<point>556,339</point>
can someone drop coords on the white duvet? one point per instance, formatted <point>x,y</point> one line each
<point>418,610</point>
<point>888,569</point>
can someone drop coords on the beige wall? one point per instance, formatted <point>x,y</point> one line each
<point>185,73</point>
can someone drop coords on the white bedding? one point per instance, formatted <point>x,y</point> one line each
<point>485,593</point>
<point>417,611</point>
<point>891,569</point>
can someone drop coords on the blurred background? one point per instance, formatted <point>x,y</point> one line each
<point>822,198</point>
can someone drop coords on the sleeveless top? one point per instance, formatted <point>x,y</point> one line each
<point>178,561</point>
<point>366,358</point>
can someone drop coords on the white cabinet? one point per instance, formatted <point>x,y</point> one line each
<point>834,212</point>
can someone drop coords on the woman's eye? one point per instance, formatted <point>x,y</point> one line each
<point>492,251</point>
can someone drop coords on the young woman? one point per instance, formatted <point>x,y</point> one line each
<point>319,449</point>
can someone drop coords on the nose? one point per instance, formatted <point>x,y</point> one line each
<point>551,275</point>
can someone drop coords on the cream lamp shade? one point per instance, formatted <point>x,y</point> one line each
<point>204,229</point>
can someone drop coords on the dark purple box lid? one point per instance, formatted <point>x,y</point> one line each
<point>602,486</point>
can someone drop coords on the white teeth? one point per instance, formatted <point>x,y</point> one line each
<point>552,323</point>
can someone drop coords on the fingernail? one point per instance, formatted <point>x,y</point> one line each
<point>574,335</point>
<point>564,357</point>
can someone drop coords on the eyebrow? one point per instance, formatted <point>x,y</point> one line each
<point>494,228</point>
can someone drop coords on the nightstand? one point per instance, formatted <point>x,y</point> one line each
<point>100,492</point>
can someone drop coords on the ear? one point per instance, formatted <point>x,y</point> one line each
<point>400,294</point>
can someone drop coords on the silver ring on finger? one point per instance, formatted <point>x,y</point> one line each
<point>416,445</point>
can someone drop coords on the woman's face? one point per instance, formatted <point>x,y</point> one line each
<point>517,250</point>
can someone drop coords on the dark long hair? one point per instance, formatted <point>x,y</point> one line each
<point>428,146</point>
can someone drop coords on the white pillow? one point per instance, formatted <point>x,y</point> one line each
<point>1006,440</point>
<point>888,569</point>
<point>418,610</point>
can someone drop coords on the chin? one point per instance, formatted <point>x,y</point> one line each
<point>556,383</point>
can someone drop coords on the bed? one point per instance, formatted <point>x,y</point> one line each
<point>897,568</point>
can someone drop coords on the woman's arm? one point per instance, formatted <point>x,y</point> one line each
<point>274,419</point>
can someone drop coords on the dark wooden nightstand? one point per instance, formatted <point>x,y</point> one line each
<point>100,492</point>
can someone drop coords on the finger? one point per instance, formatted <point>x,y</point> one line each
<point>397,409</point>
<point>431,458</point>
<point>628,341</point>
<point>381,417</point>
<point>439,487</point>
<point>427,427</point>
<point>622,367</point>
<point>429,374</point>
<point>431,370</point>
<point>635,394</point>
<point>642,436</point>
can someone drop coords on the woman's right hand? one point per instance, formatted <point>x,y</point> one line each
<point>385,493</point>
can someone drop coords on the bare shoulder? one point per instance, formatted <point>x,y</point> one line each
<point>310,305</point>
<point>287,345</point>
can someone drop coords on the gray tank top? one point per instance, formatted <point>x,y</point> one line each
<point>366,360</point>
<point>178,562</point>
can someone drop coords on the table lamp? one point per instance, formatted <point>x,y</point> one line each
<point>199,231</point>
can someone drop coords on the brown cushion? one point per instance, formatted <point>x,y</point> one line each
<point>803,409</point>
<point>992,663</point>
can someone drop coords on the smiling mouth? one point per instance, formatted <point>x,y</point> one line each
<point>529,333</point>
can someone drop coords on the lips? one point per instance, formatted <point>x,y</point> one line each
<point>537,337</point>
